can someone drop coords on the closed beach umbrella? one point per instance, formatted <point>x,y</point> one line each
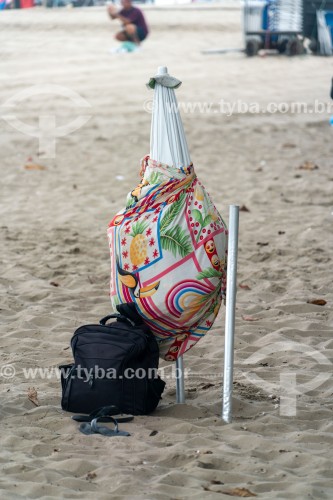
<point>167,139</point>
<point>168,246</point>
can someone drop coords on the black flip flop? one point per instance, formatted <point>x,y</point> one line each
<point>93,428</point>
<point>104,414</point>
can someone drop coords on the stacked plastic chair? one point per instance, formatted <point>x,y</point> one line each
<point>325,35</point>
<point>286,15</point>
<point>253,15</point>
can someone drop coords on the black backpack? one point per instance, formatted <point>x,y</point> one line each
<point>114,364</point>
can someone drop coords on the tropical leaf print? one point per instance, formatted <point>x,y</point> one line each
<point>209,296</point>
<point>209,272</point>
<point>197,216</point>
<point>139,228</point>
<point>207,220</point>
<point>155,178</point>
<point>130,201</point>
<point>172,212</point>
<point>203,221</point>
<point>176,241</point>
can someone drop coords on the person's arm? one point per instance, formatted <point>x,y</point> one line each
<point>112,11</point>
<point>123,19</point>
<point>114,14</point>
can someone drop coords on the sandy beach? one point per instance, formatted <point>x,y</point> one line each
<point>55,257</point>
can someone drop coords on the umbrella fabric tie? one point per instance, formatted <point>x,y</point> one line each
<point>168,256</point>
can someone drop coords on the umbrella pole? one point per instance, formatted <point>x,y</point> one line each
<point>180,389</point>
<point>230,313</point>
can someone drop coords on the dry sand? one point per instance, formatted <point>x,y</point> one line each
<point>53,225</point>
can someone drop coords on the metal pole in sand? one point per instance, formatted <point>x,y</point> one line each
<point>230,313</point>
<point>180,389</point>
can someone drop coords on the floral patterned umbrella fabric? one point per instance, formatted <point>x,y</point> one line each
<point>168,246</point>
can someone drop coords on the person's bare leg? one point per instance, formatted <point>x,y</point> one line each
<point>132,33</point>
<point>121,36</point>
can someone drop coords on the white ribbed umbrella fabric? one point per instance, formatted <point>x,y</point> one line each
<point>167,139</point>
<point>324,35</point>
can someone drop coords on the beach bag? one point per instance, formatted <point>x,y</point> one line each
<point>168,251</point>
<point>114,364</point>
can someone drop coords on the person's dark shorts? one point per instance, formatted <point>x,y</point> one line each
<point>141,33</point>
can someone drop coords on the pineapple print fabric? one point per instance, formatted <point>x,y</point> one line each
<point>168,256</point>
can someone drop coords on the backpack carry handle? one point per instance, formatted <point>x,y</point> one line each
<point>130,312</point>
<point>118,317</point>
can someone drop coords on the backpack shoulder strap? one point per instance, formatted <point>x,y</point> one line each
<point>118,317</point>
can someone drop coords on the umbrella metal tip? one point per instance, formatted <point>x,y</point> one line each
<point>162,70</point>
